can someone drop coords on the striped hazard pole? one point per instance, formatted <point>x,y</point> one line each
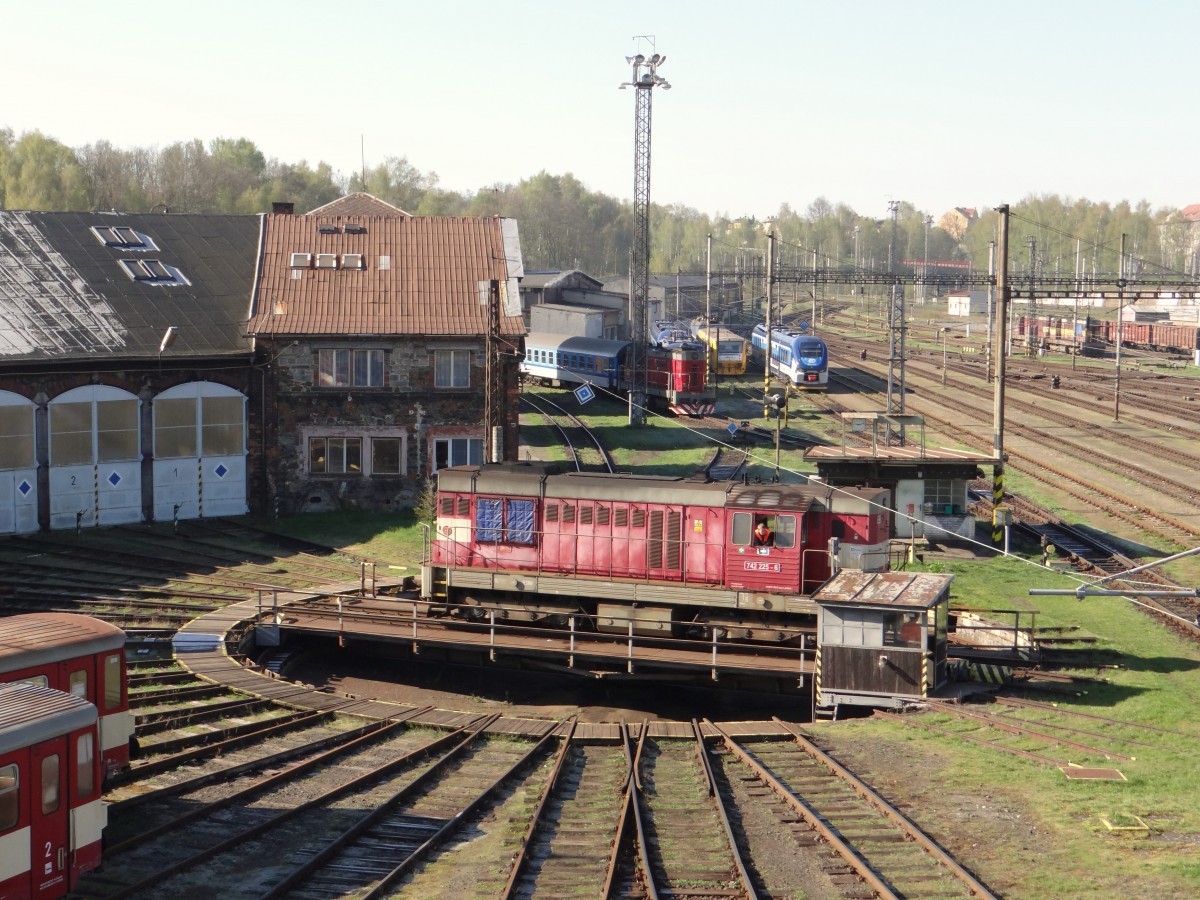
<point>997,503</point>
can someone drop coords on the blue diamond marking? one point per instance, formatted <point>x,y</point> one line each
<point>114,479</point>
<point>24,487</point>
<point>221,470</point>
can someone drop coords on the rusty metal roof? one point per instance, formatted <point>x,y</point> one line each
<point>918,590</point>
<point>395,275</point>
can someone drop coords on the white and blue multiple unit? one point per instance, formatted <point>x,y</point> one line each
<point>801,358</point>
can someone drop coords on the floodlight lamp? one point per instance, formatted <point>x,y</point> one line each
<point>639,59</point>
<point>655,59</point>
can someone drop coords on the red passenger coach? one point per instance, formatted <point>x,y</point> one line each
<point>51,814</point>
<point>78,655</point>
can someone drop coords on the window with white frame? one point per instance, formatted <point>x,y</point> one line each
<point>350,368</point>
<point>452,368</point>
<point>457,452</point>
<point>335,456</point>
<point>385,456</point>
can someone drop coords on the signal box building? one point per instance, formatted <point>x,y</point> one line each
<point>371,329</point>
<point>928,485</point>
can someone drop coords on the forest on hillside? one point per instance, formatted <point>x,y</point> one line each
<point>564,225</point>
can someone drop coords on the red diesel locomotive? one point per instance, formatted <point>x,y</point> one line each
<point>662,552</point>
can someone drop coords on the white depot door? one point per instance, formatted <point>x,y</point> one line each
<point>18,465</point>
<point>199,452</point>
<point>95,458</point>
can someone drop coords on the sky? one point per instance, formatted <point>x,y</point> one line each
<point>935,103</point>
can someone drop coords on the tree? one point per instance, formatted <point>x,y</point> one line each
<point>39,173</point>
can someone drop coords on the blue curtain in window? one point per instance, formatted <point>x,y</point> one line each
<point>489,519</point>
<point>520,521</point>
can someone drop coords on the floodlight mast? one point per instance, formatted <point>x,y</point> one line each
<point>644,79</point>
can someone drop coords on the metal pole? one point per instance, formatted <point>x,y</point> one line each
<point>944,330</point>
<point>1120,331</point>
<point>708,322</point>
<point>991,304</point>
<point>767,326</point>
<point>1003,294</point>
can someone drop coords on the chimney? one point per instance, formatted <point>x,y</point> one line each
<point>283,208</point>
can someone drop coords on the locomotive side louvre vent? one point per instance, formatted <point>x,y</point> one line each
<point>447,506</point>
<point>654,543</point>
<point>639,517</point>
<point>464,506</point>
<point>621,517</point>
<point>674,534</point>
<point>603,515</point>
<point>568,513</point>
<point>551,512</point>
<point>585,515</point>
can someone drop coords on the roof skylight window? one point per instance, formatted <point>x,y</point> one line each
<point>122,237</point>
<point>152,271</point>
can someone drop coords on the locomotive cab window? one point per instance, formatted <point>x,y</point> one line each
<point>10,797</point>
<point>779,531</point>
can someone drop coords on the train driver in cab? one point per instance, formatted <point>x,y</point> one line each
<point>763,535</point>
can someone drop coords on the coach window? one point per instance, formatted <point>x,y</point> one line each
<point>10,796</point>
<point>78,683</point>
<point>85,765</point>
<point>50,797</point>
<point>112,681</point>
<point>39,680</point>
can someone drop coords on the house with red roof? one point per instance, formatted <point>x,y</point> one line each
<point>388,347</point>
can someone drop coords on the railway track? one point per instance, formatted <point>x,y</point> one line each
<point>584,448</point>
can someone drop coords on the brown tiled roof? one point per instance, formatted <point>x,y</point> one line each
<point>1191,212</point>
<point>358,204</point>
<point>420,275</point>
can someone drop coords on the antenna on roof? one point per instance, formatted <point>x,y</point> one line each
<point>362,145</point>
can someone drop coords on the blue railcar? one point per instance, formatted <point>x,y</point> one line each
<point>801,358</point>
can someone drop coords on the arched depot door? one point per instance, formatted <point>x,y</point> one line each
<point>18,465</point>
<point>95,458</point>
<point>199,452</point>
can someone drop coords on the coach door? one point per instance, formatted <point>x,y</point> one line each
<point>49,819</point>
<point>95,458</point>
<point>18,465</point>
<point>199,452</point>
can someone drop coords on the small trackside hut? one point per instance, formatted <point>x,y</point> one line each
<point>882,638</point>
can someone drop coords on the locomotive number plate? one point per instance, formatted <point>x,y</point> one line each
<point>754,566</point>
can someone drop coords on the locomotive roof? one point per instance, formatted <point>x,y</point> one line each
<point>537,479</point>
<point>30,713</point>
<point>36,638</point>
<point>853,587</point>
